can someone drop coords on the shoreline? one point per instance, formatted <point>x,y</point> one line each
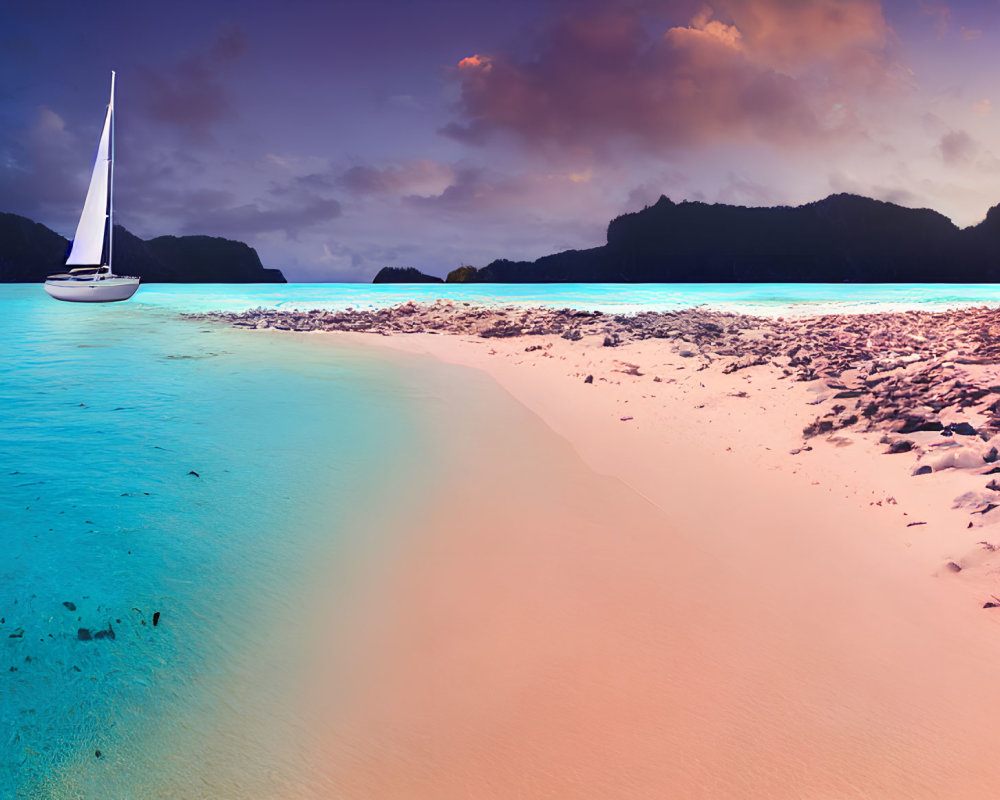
<point>829,602</point>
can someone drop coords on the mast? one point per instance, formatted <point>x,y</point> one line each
<point>111,176</point>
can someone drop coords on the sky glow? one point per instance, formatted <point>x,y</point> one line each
<point>337,138</point>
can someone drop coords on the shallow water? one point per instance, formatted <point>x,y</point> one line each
<point>106,414</point>
<point>751,298</point>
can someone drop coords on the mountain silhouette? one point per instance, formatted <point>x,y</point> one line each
<point>841,238</point>
<point>29,252</point>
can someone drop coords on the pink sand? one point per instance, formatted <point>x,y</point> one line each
<point>675,607</point>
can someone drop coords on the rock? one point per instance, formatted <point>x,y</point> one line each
<point>462,275</point>
<point>902,446</point>
<point>962,429</point>
<point>192,472</point>
<point>108,634</point>
<point>69,605</point>
<point>589,379</point>
<point>404,275</point>
<point>83,634</point>
<point>953,566</point>
<point>914,424</point>
<point>685,353</point>
<point>156,618</point>
<point>924,470</point>
<point>991,456</point>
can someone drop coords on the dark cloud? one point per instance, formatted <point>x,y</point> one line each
<point>190,96</point>
<point>252,219</point>
<point>764,70</point>
<point>44,171</point>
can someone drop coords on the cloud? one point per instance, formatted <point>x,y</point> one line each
<point>957,148</point>
<point>190,96</point>
<point>45,168</point>
<point>940,14</point>
<point>779,71</point>
<point>420,177</point>
<point>252,219</point>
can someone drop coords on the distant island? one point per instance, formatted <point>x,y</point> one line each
<point>404,275</point>
<point>29,252</point>
<point>841,238</point>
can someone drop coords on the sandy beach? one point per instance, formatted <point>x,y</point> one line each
<point>756,559</point>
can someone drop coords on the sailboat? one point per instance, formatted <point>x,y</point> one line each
<point>91,280</point>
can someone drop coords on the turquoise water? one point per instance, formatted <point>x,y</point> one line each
<point>756,298</point>
<point>105,413</point>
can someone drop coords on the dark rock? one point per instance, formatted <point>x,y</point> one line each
<point>924,470</point>
<point>108,634</point>
<point>404,275</point>
<point>69,605</point>
<point>192,472</point>
<point>913,424</point>
<point>991,604</point>
<point>83,634</point>
<point>902,446</point>
<point>589,379</point>
<point>962,429</point>
<point>462,275</point>
<point>991,456</point>
<point>156,618</point>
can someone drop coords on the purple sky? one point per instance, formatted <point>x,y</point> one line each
<point>339,137</point>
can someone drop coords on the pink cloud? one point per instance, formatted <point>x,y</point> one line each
<point>421,177</point>
<point>768,70</point>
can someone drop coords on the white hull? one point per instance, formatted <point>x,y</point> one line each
<point>102,290</point>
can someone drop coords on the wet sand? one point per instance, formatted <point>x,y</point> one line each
<point>708,591</point>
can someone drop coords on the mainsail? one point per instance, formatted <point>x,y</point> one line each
<point>88,244</point>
